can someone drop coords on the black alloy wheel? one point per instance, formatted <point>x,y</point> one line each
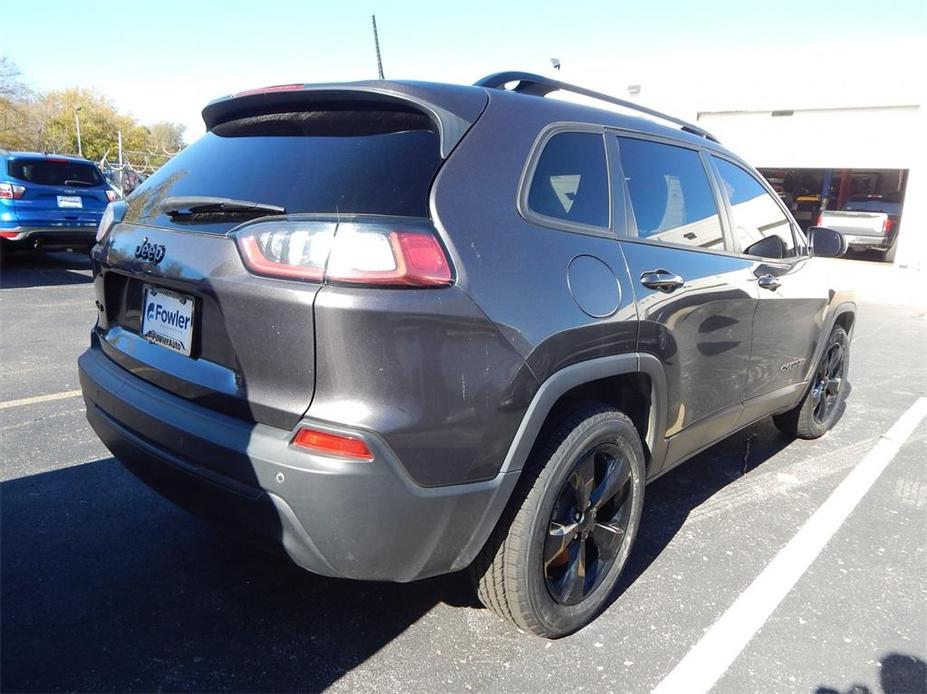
<point>588,524</point>
<point>825,393</point>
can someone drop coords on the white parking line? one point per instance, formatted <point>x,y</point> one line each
<point>710,658</point>
<point>39,398</point>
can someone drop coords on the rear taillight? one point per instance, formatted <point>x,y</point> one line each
<point>373,252</point>
<point>9,191</point>
<point>887,225</point>
<point>112,195</point>
<point>333,444</point>
<point>820,221</point>
<point>112,215</point>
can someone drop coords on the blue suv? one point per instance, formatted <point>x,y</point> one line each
<point>50,201</point>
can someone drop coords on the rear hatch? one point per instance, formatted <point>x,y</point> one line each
<point>874,216</point>
<point>241,339</point>
<point>57,192</point>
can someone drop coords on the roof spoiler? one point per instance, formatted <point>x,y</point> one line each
<point>451,127</point>
<point>538,85</point>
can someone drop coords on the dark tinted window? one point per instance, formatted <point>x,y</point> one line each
<point>670,194</point>
<point>372,162</point>
<point>570,181</point>
<point>886,205</point>
<point>755,213</point>
<point>56,172</point>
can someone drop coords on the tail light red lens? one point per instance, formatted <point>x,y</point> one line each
<point>112,195</point>
<point>369,252</point>
<point>112,215</point>
<point>10,191</point>
<point>333,444</point>
<point>887,225</point>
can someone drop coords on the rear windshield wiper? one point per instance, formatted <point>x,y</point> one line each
<point>204,205</point>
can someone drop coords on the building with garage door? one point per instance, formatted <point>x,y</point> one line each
<point>832,125</point>
<point>857,153</point>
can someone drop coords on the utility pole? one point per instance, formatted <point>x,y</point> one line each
<point>80,151</point>
<point>376,42</point>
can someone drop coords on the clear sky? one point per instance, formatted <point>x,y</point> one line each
<point>164,60</point>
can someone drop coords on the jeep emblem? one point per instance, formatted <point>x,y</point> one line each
<point>153,252</point>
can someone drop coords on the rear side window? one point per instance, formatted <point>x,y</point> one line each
<point>758,220</point>
<point>570,180</point>
<point>56,172</point>
<point>328,161</point>
<point>670,194</point>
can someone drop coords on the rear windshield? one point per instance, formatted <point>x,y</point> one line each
<point>56,172</point>
<point>333,161</point>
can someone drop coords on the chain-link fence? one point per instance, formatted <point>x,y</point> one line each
<point>131,167</point>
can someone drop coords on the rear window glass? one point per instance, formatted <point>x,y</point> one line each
<point>362,162</point>
<point>56,172</point>
<point>570,180</point>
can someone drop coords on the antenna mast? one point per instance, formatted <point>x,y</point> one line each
<point>376,42</point>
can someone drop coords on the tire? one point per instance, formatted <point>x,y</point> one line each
<point>528,571</point>
<point>813,417</point>
<point>889,255</point>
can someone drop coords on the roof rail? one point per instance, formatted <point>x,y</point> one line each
<point>538,85</point>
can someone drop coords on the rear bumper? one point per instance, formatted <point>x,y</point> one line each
<point>332,517</point>
<point>51,236</point>
<point>863,241</point>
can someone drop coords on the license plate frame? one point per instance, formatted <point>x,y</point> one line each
<point>168,319</point>
<point>73,202</point>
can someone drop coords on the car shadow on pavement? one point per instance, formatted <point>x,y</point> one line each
<point>45,270</point>
<point>898,674</point>
<point>669,500</point>
<point>107,587</point>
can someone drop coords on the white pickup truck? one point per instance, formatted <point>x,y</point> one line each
<point>867,222</point>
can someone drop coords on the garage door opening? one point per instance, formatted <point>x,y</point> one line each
<point>811,193</point>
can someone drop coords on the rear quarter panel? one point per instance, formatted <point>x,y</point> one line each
<point>514,270</point>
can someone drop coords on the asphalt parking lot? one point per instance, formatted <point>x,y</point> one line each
<point>106,587</point>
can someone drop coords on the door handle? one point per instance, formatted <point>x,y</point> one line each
<point>661,280</point>
<point>769,282</point>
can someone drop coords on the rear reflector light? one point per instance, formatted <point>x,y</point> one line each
<point>372,252</point>
<point>9,191</point>
<point>332,444</point>
<point>112,215</point>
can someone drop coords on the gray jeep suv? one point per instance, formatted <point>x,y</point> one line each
<point>400,329</point>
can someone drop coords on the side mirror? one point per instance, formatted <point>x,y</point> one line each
<point>826,243</point>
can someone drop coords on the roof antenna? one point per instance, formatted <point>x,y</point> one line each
<point>376,42</point>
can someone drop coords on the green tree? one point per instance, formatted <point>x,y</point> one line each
<point>48,123</point>
<point>56,120</point>
<point>14,105</point>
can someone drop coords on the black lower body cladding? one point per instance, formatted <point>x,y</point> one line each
<point>323,512</point>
